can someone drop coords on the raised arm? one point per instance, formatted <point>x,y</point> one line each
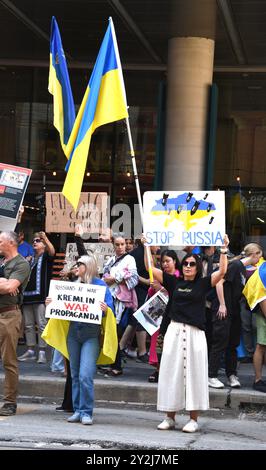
<point>218,275</point>
<point>49,246</point>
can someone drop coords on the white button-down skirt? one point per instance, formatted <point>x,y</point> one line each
<point>183,377</point>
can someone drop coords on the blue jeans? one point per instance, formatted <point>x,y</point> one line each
<point>83,354</point>
<point>58,363</point>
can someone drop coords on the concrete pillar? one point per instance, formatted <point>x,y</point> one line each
<point>190,70</point>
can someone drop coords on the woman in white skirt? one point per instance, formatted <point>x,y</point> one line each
<point>183,377</point>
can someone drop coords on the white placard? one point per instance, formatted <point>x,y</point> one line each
<point>151,313</point>
<point>75,301</point>
<point>184,218</point>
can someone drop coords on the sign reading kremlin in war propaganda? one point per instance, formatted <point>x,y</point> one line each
<point>75,301</point>
<point>182,218</point>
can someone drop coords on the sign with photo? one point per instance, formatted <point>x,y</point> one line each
<point>184,218</point>
<point>150,314</point>
<point>75,301</point>
<point>102,252</point>
<point>91,213</point>
<point>13,184</point>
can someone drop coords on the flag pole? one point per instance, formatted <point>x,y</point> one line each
<point>136,178</point>
<point>132,152</point>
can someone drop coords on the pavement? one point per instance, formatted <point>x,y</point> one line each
<point>37,384</point>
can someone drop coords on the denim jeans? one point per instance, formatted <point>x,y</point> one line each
<point>58,363</point>
<point>83,354</point>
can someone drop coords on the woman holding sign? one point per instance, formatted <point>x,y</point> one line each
<point>83,345</point>
<point>183,377</point>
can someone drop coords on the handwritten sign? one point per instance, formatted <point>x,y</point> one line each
<point>91,213</point>
<point>75,301</point>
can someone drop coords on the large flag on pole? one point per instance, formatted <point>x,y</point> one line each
<point>59,86</point>
<point>104,101</point>
<point>255,288</point>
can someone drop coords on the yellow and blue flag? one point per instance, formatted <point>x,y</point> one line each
<point>59,86</point>
<point>104,101</point>
<point>255,288</point>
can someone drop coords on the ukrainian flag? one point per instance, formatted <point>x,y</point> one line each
<point>255,288</point>
<point>59,86</point>
<point>104,101</point>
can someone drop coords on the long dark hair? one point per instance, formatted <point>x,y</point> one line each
<point>171,254</point>
<point>198,264</point>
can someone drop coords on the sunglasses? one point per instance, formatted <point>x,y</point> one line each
<point>78,264</point>
<point>36,240</point>
<point>190,264</point>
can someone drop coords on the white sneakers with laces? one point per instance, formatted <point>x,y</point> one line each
<point>215,383</point>
<point>191,426</point>
<point>166,424</point>
<point>233,381</point>
<point>28,356</point>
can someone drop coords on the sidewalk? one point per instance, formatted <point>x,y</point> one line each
<point>38,384</point>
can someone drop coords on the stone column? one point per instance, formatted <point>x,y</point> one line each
<point>190,70</point>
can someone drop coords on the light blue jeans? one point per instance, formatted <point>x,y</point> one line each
<point>58,364</point>
<point>83,354</point>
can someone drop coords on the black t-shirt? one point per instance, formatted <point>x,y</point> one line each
<point>235,280</point>
<point>141,289</point>
<point>187,299</point>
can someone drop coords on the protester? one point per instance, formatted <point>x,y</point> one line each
<point>171,265</point>
<point>83,346</point>
<point>226,320</point>
<point>120,274</point>
<point>35,295</point>
<point>183,378</point>
<point>255,293</point>
<point>14,274</point>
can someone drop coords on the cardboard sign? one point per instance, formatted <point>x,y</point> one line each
<point>13,184</point>
<point>75,301</point>
<point>184,218</point>
<point>102,252</point>
<point>91,213</point>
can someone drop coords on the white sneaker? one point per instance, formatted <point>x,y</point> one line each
<point>215,383</point>
<point>191,426</point>
<point>42,358</point>
<point>131,353</point>
<point>87,420</point>
<point>233,381</point>
<point>27,356</point>
<point>166,424</point>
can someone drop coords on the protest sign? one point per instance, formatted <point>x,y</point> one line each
<point>102,252</point>
<point>91,213</point>
<point>150,314</point>
<point>75,301</point>
<point>184,218</point>
<point>13,184</point>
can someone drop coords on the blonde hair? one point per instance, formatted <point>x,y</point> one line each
<point>91,268</point>
<point>252,248</point>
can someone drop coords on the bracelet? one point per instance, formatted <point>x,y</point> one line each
<point>223,251</point>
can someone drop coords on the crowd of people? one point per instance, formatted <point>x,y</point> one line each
<point>205,319</point>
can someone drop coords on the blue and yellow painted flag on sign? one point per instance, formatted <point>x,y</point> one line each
<point>104,101</point>
<point>255,288</point>
<point>59,86</point>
